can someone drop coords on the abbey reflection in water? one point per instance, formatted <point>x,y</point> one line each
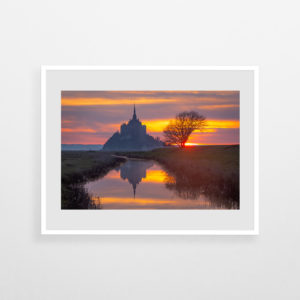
<point>141,184</point>
<point>134,171</point>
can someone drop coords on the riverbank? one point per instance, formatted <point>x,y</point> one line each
<point>77,167</point>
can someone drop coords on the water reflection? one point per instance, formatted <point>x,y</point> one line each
<point>222,193</point>
<point>141,184</point>
<point>134,171</point>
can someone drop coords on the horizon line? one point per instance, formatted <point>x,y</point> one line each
<point>194,144</point>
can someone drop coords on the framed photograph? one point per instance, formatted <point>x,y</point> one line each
<point>149,150</point>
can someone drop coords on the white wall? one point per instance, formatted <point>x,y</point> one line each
<point>132,32</point>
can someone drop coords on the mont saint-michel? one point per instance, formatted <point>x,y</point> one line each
<point>150,150</point>
<point>132,136</point>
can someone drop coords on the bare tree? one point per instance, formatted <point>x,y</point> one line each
<point>178,131</point>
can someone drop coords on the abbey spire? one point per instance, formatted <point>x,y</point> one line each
<point>134,114</point>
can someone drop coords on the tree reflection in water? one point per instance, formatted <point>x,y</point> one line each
<point>222,190</point>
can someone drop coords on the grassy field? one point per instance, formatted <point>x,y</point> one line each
<point>225,156</point>
<point>77,167</point>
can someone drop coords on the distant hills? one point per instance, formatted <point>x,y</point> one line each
<point>80,147</point>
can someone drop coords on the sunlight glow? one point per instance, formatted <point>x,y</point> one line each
<point>191,144</point>
<point>155,176</point>
<point>126,202</point>
<point>158,125</point>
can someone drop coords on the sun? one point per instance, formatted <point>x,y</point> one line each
<point>191,144</point>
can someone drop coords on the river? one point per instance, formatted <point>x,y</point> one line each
<point>144,184</point>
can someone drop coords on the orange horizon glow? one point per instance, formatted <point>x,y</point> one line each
<point>187,144</point>
<point>191,144</point>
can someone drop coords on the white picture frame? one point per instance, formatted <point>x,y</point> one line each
<point>45,229</point>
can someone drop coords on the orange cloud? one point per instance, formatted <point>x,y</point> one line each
<point>105,101</point>
<point>78,130</point>
<point>217,106</point>
<point>158,125</point>
<point>223,124</point>
<point>66,121</point>
<point>83,138</point>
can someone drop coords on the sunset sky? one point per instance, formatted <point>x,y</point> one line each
<point>91,117</point>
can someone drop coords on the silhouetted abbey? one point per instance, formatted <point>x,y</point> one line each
<point>132,136</point>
